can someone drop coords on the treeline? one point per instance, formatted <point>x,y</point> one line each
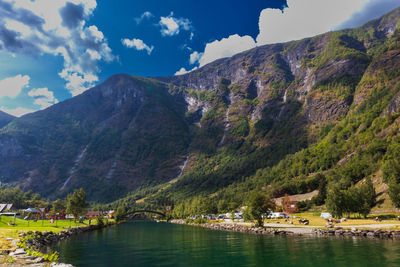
<point>21,199</point>
<point>353,200</point>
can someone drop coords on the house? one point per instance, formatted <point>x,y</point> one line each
<point>93,214</point>
<point>5,207</point>
<point>111,214</point>
<point>35,212</point>
<point>290,206</point>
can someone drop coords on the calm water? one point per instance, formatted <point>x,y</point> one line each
<point>161,244</point>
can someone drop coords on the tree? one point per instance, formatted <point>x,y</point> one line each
<point>120,214</point>
<point>367,199</point>
<point>394,193</point>
<point>57,206</point>
<point>335,201</point>
<point>76,203</point>
<point>260,204</point>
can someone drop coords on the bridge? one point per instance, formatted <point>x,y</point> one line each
<point>132,213</point>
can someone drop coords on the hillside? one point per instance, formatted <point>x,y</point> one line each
<point>5,118</point>
<point>285,118</point>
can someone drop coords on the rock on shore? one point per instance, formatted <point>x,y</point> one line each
<point>339,232</point>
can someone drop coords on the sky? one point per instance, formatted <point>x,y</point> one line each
<point>52,50</point>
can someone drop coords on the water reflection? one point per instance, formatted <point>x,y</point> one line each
<point>161,244</point>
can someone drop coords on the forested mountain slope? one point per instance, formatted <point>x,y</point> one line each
<point>285,118</point>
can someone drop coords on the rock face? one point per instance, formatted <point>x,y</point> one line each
<point>133,132</point>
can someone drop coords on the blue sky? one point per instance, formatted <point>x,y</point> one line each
<point>51,50</point>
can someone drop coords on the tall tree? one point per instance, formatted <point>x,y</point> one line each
<point>76,203</point>
<point>260,204</point>
<point>57,206</point>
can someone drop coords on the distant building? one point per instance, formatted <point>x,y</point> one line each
<point>93,214</point>
<point>6,207</point>
<point>111,214</point>
<point>289,206</point>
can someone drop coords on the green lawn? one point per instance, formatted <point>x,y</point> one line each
<point>40,225</point>
<point>29,225</point>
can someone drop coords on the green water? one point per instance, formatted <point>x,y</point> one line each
<point>162,244</point>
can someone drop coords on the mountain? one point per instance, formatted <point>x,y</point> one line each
<point>283,117</point>
<point>5,118</point>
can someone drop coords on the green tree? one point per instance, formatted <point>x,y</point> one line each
<point>260,204</point>
<point>336,201</point>
<point>76,203</point>
<point>120,214</point>
<point>57,206</point>
<point>367,196</point>
<point>394,193</point>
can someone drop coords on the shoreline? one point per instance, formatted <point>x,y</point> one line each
<point>41,241</point>
<point>298,231</point>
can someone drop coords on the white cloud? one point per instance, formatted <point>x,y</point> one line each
<point>43,97</point>
<point>226,47</point>
<point>12,86</point>
<point>137,44</point>
<point>184,71</point>
<point>300,19</point>
<point>304,18</point>
<point>195,57</point>
<point>145,15</point>
<point>57,28</point>
<point>171,26</point>
<point>78,82</point>
<point>18,112</point>
<point>371,10</point>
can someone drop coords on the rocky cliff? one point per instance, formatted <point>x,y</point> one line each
<point>227,120</point>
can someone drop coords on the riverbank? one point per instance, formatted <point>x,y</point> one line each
<point>283,230</point>
<point>28,246</point>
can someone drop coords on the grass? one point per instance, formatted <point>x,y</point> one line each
<point>7,231</point>
<point>316,220</point>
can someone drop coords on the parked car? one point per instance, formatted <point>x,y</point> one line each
<point>221,217</point>
<point>279,215</point>
<point>237,216</point>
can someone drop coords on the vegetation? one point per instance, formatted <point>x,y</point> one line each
<point>353,200</point>
<point>120,214</point>
<point>259,207</point>
<point>76,203</point>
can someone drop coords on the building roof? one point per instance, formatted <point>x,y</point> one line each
<point>4,207</point>
<point>94,213</point>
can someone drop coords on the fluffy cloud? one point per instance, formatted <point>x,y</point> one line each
<point>13,86</point>
<point>43,97</point>
<point>57,28</point>
<point>300,19</point>
<point>226,47</point>
<point>137,44</point>
<point>145,15</point>
<point>171,26</point>
<point>304,18</point>
<point>18,112</point>
<point>195,57</point>
<point>184,71</point>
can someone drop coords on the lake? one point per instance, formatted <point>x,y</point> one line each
<point>143,243</point>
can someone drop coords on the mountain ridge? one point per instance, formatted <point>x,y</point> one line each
<point>233,120</point>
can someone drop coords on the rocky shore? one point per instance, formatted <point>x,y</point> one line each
<point>40,241</point>
<point>338,232</point>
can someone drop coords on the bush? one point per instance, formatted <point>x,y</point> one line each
<point>100,220</point>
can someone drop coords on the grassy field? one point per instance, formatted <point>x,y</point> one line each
<point>316,220</point>
<point>7,231</point>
